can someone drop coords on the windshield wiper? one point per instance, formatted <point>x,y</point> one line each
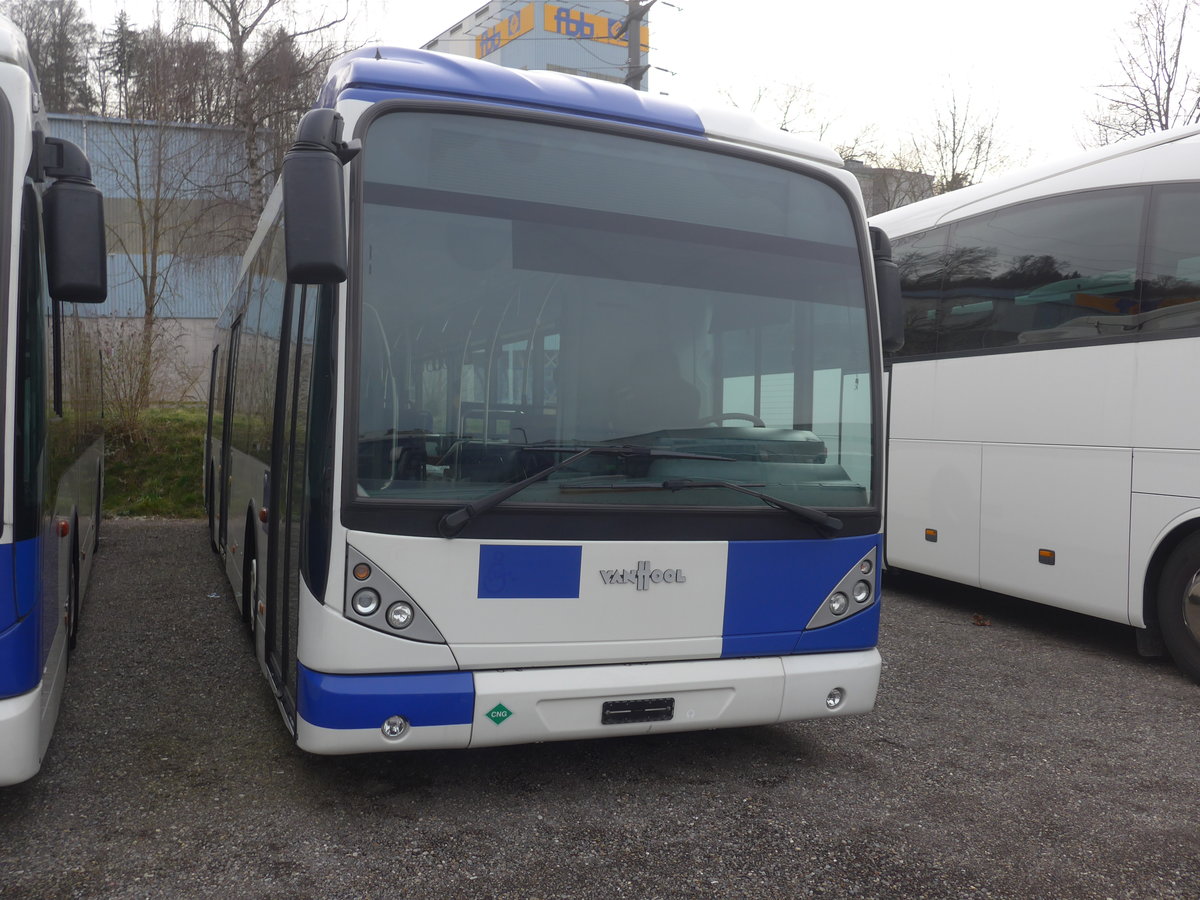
<point>452,523</point>
<point>825,522</point>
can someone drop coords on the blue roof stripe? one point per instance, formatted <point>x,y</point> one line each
<point>402,72</point>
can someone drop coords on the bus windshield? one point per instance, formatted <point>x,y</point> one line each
<point>529,290</point>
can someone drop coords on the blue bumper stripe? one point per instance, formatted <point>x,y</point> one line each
<point>522,571</point>
<point>366,701</point>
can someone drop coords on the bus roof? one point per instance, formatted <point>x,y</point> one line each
<point>377,73</point>
<point>1116,164</point>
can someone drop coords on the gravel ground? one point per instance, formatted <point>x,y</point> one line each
<point>1015,752</point>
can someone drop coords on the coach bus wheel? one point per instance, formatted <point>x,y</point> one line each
<point>249,590</point>
<point>1179,605</point>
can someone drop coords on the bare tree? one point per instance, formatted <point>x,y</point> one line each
<point>272,60</point>
<point>961,148</point>
<point>791,106</point>
<point>1157,91</point>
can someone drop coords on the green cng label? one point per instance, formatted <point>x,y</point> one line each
<point>499,713</point>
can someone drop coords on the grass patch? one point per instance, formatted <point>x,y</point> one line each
<point>159,471</point>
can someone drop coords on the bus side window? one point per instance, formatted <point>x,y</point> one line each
<point>1171,279</point>
<point>922,264</point>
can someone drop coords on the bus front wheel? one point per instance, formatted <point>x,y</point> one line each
<point>1179,605</point>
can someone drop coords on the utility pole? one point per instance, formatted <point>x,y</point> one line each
<point>634,70</point>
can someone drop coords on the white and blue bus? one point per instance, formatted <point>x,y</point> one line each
<point>51,257</point>
<point>1042,440</point>
<point>548,409</point>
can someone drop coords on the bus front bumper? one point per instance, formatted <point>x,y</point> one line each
<point>446,710</point>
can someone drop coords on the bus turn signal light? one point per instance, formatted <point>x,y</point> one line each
<point>931,535</point>
<point>1046,557</point>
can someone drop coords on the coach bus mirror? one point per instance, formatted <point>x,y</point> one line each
<point>314,200</point>
<point>887,289</point>
<point>73,221</point>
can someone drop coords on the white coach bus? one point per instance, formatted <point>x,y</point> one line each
<point>548,409</point>
<point>51,459</point>
<point>1042,439</point>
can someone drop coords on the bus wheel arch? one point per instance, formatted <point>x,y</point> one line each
<point>1172,601</point>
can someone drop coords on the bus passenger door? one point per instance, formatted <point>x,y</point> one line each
<point>223,470</point>
<point>286,493</point>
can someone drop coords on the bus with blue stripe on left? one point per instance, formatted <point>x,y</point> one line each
<point>52,257</point>
<point>547,409</point>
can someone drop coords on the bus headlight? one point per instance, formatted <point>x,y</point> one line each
<point>400,615</point>
<point>851,596</point>
<point>374,600</point>
<point>365,602</point>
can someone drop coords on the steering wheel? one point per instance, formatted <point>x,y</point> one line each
<point>745,417</point>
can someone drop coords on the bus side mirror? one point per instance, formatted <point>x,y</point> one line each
<point>314,209</point>
<point>887,289</point>
<point>73,222</point>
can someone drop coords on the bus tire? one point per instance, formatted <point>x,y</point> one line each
<point>73,599</point>
<point>249,583</point>
<point>212,516</point>
<point>1179,605</point>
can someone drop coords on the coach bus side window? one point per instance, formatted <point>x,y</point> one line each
<point>1171,279</point>
<point>921,260</point>
<point>1062,269</point>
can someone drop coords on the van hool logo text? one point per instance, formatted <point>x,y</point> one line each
<point>643,576</point>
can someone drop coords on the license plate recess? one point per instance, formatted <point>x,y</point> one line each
<point>624,712</point>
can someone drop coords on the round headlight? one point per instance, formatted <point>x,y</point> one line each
<point>395,727</point>
<point>839,603</point>
<point>365,602</point>
<point>400,615</point>
<point>861,591</point>
<point>835,697</point>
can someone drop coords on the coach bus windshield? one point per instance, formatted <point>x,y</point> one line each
<point>529,290</point>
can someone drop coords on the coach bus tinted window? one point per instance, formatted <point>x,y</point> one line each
<point>530,289</point>
<point>1051,270</point>
<point>1171,282</point>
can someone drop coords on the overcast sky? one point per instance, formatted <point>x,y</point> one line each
<point>878,65</point>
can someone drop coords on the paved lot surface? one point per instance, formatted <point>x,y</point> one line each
<point>1015,752</point>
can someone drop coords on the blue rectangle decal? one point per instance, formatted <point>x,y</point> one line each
<point>522,571</point>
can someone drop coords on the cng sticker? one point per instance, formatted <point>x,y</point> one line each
<point>499,713</point>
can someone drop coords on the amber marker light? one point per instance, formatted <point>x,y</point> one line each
<point>1046,557</point>
<point>362,572</point>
